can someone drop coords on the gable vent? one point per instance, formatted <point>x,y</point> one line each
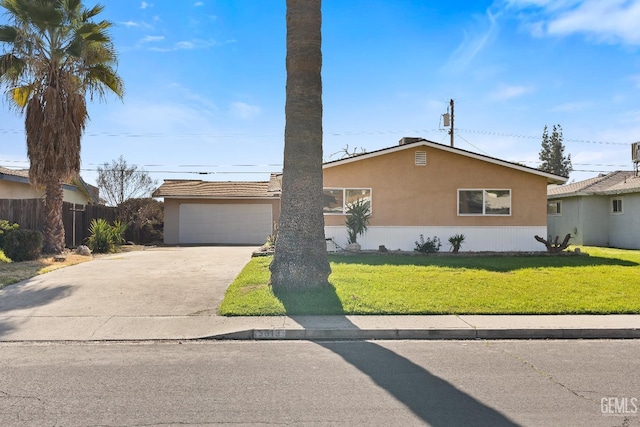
<point>421,158</point>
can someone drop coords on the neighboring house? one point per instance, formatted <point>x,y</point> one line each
<point>600,211</point>
<point>417,187</point>
<point>198,212</point>
<point>14,184</point>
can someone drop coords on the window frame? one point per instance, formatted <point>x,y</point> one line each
<point>620,211</point>
<point>484,202</point>
<point>344,198</point>
<point>558,204</point>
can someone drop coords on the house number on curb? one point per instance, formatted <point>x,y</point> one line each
<point>274,333</point>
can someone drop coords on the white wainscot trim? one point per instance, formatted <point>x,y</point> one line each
<point>477,239</point>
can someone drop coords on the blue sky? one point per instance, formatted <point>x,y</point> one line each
<point>205,83</point>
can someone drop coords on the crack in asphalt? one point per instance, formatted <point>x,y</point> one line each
<point>548,376</point>
<point>20,405</point>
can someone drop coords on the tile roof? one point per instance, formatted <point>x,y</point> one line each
<point>22,173</point>
<point>213,189</point>
<point>612,183</point>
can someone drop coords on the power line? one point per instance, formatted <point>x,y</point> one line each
<point>331,133</point>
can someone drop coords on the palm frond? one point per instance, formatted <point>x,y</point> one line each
<point>11,67</point>
<point>21,95</point>
<point>94,11</point>
<point>8,33</point>
<point>100,75</point>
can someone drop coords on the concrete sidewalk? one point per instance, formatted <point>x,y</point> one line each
<point>118,328</point>
<point>173,294</point>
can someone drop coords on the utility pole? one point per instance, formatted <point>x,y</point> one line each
<point>451,130</point>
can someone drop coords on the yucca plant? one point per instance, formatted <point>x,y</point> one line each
<point>105,238</point>
<point>357,222</point>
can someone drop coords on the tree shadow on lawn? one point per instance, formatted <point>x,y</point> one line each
<point>495,263</point>
<point>432,399</point>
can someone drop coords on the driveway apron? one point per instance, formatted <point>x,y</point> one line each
<point>169,285</point>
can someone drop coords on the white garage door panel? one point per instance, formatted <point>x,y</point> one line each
<point>225,224</point>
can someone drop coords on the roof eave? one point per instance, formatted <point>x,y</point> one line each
<point>275,196</point>
<point>551,178</point>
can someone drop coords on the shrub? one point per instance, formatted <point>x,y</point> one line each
<point>357,221</point>
<point>6,226</point>
<point>144,218</point>
<point>117,232</point>
<point>22,245</point>
<point>456,242</point>
<point>105,238</point>
<point>428,246</point>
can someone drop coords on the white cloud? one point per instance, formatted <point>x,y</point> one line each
<point>184,45</point>
<point>474,41</point>
<point>198,4</point>
<point>187,45</point>
<point>152,39</point>
<point>610,21</point>
<point>163,118</point>
<point>570,107</point>
<point>129,24</point>
<point>636,80</point>
<point>505,92</point>
<point>630,117</point>
<point>244,111</point>
<point>145,5</point>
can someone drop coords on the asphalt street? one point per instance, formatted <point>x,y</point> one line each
<point>439,383</point>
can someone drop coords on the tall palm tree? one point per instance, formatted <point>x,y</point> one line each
<point>300,260</point>
<point>54,56</point>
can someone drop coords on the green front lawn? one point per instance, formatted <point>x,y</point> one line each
<point>607,281</point>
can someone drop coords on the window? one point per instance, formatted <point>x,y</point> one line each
<point>337,200</point>
<point>616,206</point>
<point>554,208</point>
<point>421,158</point>
<point>484,202</point>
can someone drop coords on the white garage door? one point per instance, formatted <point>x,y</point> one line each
<point>224,224</point>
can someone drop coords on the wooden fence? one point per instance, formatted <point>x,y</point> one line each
<point>30,214</point>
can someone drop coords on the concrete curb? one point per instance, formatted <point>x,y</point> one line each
<point>428,334</point>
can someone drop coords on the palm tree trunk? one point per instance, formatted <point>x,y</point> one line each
<point>300,260</point>
<point>53,226</point>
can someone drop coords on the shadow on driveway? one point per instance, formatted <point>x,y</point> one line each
<point>22,296</point>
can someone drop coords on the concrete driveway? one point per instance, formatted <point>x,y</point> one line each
<point>158,293</point>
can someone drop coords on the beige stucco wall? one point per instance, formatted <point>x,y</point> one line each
<point>404,194</point>
<point>17,190</point>
<point>172,213</point>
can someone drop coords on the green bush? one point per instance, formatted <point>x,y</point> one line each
<point>6,226</point>
<point>145,220</point>
<point>22,245</point>
<point>105,238</point>
<point>456,242</point>
<point>428,246</point>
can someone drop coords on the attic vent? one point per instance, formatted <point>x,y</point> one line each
<point>421,158</point>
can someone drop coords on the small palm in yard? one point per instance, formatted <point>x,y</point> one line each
<point>53,56</point>
<point>357,221</point>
